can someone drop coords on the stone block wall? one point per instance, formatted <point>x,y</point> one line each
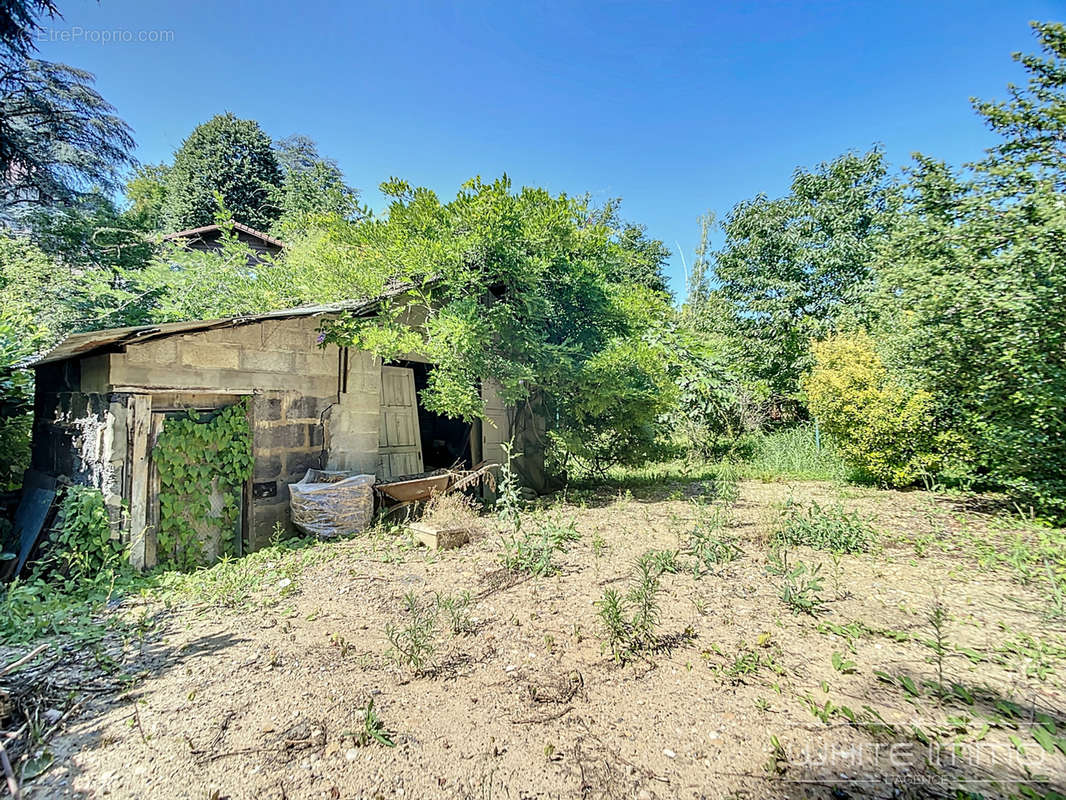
<point>82,436</point>
<point>301,408</point>
<point>288,438</point>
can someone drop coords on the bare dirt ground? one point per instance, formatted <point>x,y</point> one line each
<point>742,697</point>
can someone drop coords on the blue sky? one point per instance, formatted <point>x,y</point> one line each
<point>677,107</point>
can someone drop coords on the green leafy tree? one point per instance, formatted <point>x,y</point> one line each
<point>312,185</point>
<point>973,285</point>
<point>91,234</point>
<point>28,309</point>
<point>20,21</point>
<point>519,286</point>
<point>224,156</point>
<point>146,193</point>
<point>793,269</point>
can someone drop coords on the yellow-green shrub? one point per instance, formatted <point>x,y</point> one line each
<point>883,429</point>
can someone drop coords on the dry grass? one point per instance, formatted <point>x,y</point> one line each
<point>454,510</point>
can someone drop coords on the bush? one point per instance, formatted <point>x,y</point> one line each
<point>82,549</point>
<point>883,429</point>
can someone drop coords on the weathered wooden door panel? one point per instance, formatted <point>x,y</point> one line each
<point>495,428</point>
<point>399,438</point>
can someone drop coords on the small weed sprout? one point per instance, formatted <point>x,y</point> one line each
<point>612,614</point>
<point>643,600</point>
<point>800,588</point>
<point>843,665</point>
<point>777,560</point>
<point>824,528</point>
<point>413,643</point>
<point>373,729</point>
<point>938,621</point>
<point>777,764</point>
<point>727,484</point>
<point>508,499</point>
<point>746,662</point>
<point>664,561</point>
<point>456,610</point>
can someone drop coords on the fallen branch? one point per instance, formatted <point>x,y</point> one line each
<point>14,665</point>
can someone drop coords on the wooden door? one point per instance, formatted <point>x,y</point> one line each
<point>399,439</point>
<point>495,427</point>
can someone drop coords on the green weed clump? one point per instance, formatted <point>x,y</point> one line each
<point>83,567</point>
<point>533,550</point>
<point>631,620</point>
<point>708,547</point>
<point>373,729</point>
<point>413,640</point>
<point>800,588</point>
<point>824,528</point>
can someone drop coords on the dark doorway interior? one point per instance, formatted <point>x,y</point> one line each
<point>445,441</point>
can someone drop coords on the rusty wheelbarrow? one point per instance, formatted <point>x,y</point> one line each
<point>422,488</point>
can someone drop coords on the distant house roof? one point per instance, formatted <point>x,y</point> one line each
<point>213,231</point>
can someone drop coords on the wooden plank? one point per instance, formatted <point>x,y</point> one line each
<point>152,502</point>
<point>139,423</point>
<point>496,427</point>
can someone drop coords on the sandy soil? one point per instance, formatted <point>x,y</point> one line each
<point>266,699</point>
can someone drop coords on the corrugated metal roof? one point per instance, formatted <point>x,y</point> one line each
<point>82,344</point>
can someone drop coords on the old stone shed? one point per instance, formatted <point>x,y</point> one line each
<point>102,398</point>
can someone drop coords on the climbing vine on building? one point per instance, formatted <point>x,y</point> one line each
<point>198,459</point>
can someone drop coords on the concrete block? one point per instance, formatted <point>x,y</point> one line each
<point>264,516</point>
<point>267,467</point>
<point>297,463</point>
<point>267,361</point>
<point>159,351</point>
<point>266,408</point>
<point>208,356</point>
<point>306,407</point>
<point>317,362</point>
<point>283,437</point>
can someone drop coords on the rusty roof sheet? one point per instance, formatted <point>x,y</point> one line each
<point>83,344</point>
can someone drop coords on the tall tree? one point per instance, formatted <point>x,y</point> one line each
<point>523,287</point>
<point>975,277</point>
<point>59,139</point>
<point>311,185</point>
<point>792,268</point>
<point>20,20</point>
<point>146,193</point>
<point>227,156</point>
